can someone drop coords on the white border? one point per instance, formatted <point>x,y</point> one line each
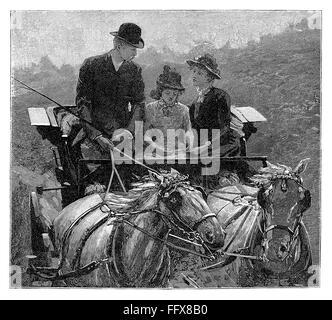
<point>324,292</point>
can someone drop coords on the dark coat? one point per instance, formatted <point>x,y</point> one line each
<point>103,94</point>
<point>214,113</point>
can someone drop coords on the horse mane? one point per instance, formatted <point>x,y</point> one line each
<point>141,197</point>
<point>144,194</point>
<point>265,175</point>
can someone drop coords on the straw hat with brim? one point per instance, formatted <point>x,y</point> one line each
<point>208,62</point>
<point>131,34</point>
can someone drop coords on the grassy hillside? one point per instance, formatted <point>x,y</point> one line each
<point>279,76</point>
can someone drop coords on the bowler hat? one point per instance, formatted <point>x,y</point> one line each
<point>208,62</point>
<point>130,33</point>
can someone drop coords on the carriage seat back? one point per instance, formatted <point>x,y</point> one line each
<point>44,116</point>
<point>241,117</point>
<point>242,122</point>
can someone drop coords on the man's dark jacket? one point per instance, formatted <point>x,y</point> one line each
<point>214,113</point>
<point>103,94</point>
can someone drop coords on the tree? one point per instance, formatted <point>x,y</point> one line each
<point>67,71</point>
<point>46,64</point>
<point>303,24</point>
<point>201,47</point>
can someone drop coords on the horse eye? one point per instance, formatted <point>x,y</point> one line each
<point>173,200</point>
<point>269,192</point>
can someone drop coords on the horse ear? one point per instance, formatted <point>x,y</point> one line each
<point>301,166</point>
<point>270,166</point>
<point>174,173</point>
<point>284,167</point>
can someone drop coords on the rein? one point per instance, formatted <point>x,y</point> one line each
<point>167,243</point>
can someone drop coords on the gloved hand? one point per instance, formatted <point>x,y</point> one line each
<point>232,137</point>
<point>67,122</point>
<point>104,143</point>
<point>228,138</point>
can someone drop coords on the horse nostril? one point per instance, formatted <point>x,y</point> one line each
<point>209,237</point>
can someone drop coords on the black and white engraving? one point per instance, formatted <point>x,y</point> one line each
<point>165,149</point>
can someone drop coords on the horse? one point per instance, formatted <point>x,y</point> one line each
<point>266,236</point>
<point>122,240</point>
<point>281,239</point>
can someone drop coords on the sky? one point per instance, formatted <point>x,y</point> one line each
<point>71,36</point>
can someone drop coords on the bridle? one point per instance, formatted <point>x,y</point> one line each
<point>302,205</point>
<point>189,231</point>
<point>167,193</point>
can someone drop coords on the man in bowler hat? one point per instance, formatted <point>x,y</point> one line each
<point>110,91</point>
<point>110,85</point>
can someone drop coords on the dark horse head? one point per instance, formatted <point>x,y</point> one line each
<point>283,200</point>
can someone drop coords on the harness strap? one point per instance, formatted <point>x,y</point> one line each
<point>88,233</point>
<point>220,264</point>
<point>71,228</point>
<point>209,215</point>
<point>234,217</point>
<point>220,197</point>
<point>72,274</point>
<point>166,243</point>
<point>278,226</point>
<point>248,210</point>
<point>242,193</point>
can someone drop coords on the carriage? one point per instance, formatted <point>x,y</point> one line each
<point>238,204</point>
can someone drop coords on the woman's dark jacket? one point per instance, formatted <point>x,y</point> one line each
<point>213,113</point>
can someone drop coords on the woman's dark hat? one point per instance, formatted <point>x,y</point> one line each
<point>208,62</point>
<point>130,33</point>
<point>170,79</point>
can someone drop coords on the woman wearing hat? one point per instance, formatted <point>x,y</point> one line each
<point>211,109</point>
<point>166,112</point>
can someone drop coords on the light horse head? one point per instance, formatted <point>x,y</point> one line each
<point>163,203</point>
<point>183,208</point>
<point>283,200</point>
